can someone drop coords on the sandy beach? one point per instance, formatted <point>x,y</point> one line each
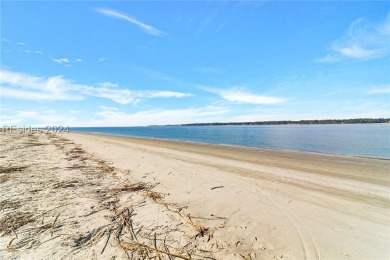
<point>90,196</point>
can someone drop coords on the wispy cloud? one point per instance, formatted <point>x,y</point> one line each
<point>42,118</point>
<point>328,59</point>
<point>23,86</point>
<point>112,116</point>
<point>146,28</point>
<point>67,62</point>
<point>385,89</point>
<point>238,95</point>
<point>64,61</point>
<point>109,116</point>
<point>35,95</point>
<point>355,51</point>
<point>203,26</point>
<point>121,96</point>
<point>61,60</point>
<point>108,85</point>
<point>161,94</point>
<point>209,70</point>
<point>37,117</point>
<point>363,40</point>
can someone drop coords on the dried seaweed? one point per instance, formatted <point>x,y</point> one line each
<point>139,186</point>
<point>15,220</point>
<point>106,168</point>
<point>10,169</point>
<point>10,204</point>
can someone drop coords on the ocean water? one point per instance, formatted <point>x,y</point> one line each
<point>368,140</point>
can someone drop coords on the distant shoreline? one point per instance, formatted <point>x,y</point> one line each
<point>300,122</point>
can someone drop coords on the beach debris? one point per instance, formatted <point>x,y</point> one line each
<point>106,168</point>
<point>155,196</point>
<point>108,238</point>
<point>72,176</point>
<point>217,187</point>
<point>53,225</point>
<point>144,249</point>
<point>10,204</point>
<point>10,169</point>
<point>131,187</point>
<point>14,220</point>
<point>251,256</point>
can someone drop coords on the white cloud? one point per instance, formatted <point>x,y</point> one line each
<point>147,28</point>
<point>23,86</point>
<point>126,96</point>
<point>21,80</point>
<point>108,85</point>
<point>363,40</point>
<point>24,114</point>
<point>42,118</point>
<point>7,120</point>
<point>45,118</point>
<point>162,94</point>
<point>111,116</point>
<point>102,59</point>
<point>237,95</point>
<point>385,89</point>
<point>114,117</point>
<point>38,52</point>
<point>21,43</point>
<point>328,59</point>
<point>121,96</point>
<point>31,95</point>
<point>354,51</point>
<point>65,61</point>
<point>61,60</point>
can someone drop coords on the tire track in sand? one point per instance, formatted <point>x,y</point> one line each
<point>303,240</point>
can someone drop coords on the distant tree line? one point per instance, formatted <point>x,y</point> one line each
<point>301,122</point>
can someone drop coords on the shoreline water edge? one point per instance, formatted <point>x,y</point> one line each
<point>366,140</point>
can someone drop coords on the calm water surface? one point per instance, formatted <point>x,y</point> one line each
<point>372,140</point>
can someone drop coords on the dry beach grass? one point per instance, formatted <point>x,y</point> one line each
<point>58,201</point>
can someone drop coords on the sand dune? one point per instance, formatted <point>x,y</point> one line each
<point>211,201</point>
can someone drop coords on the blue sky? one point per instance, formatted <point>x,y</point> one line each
<point>119,63</point>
